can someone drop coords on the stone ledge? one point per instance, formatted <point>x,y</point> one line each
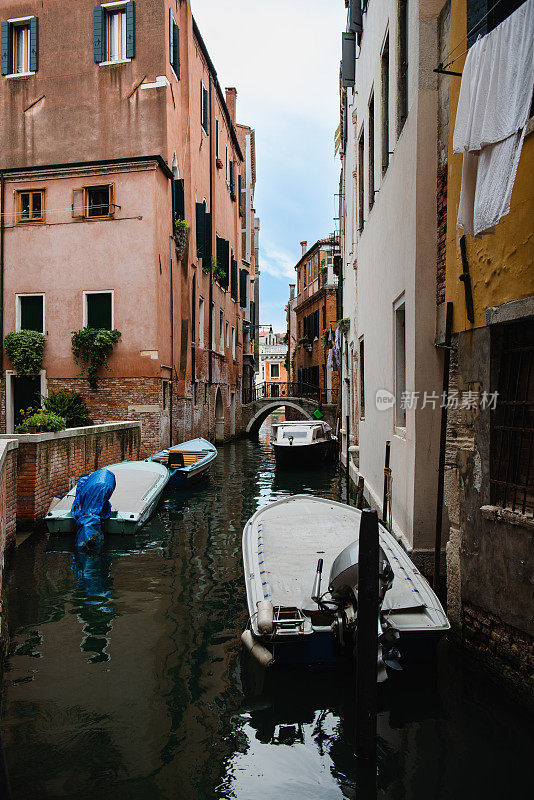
<point>511,311</point>
<point>496,514</point>
<point>89,430</point>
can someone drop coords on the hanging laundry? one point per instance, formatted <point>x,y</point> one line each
<point>493,109</point>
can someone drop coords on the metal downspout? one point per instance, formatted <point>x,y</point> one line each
<point>210,326</point>
<point>2,198</point>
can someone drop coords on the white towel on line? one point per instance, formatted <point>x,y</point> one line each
<point>493,108</point>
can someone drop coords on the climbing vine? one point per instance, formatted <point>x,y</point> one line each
<point>25,349</point>
<point>91,348</point>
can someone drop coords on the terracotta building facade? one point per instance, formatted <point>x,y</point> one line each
<point>96,171</point>
<point>315,308</point>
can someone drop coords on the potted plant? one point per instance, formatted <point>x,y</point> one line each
<point>219,164</point>
<point>181,237</point>
<point>219,274</point>
<point>41,420</point>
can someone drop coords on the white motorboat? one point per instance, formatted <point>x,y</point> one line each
<point>282,544</point>
<point>139,485</point>
<point>303,441</point>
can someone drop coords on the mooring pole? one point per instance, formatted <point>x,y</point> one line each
<point>359,493</point>
<point>386,486</point>
<point>367,637</point>
<point>347,474</point>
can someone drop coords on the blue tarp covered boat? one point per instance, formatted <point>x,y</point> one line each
<point>91,507</point>
<point>187,462</point>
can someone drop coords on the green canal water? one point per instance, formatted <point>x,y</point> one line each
<point>125,678</point>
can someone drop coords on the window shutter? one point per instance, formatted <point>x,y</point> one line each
<point>178,199</point>
<point>476,11</point>
<point>239,194</point>
<point>176,50</point>
<point>99,34</point>
<point>34,44</point>
<point>206,257</point>
<point>233,282</point>
<point>232,180</point>
<point>130,29</point>
<point>243,276</point>
<point>226,264</point>
<point>355,18</point>
<point>348,62</point>
<point>7,56</point>
<point>200,228</point>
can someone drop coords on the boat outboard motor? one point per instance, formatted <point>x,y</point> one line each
<point>343,582</point>
<point>91,505</point>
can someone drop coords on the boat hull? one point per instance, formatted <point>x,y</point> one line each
<point>303,454</point>
<point>193,473</point>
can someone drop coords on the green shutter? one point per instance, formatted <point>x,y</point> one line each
<point>99,34</point>
<point>200,228</point>
<point>233,280</point>
<point>99,310</point>
<point>176,50</point>
<point>31,313</point>
<point>7,56</point>
<point>178,199</point>
<point>206,257</point>
<point>130,29</point>
<point>243,276</point>
<point>34,44</point>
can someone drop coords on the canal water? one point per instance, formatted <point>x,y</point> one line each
<point>125,678</point>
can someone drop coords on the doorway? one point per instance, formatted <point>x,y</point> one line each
<point>22,392</point>
<point>232,414</point>
<point>219,416</point>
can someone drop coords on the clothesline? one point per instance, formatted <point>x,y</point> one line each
<point>442,68</point>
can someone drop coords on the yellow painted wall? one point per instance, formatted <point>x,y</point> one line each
<point>501,264</point>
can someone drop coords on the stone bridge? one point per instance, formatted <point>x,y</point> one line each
<point>255,412</point>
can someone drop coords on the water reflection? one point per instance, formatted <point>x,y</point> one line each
<point>148,699</point>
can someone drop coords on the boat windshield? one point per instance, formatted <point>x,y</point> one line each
<point>295,434</point>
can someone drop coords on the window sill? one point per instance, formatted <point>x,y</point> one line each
<point>497,514</point>
<point>114,63</point>
<point>22,223</point>
<point>15,75</point>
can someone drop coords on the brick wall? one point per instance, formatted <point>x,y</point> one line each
<point>49,464</point>
<point>8,486</point>
<point>442,233</point>
<point>505,649</point>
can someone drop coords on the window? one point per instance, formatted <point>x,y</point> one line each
<point>360,182</point>
<point>512,419</point>
<point>484,15</point>
<point>204,108</point>
<point>362,379</point>
<point>212,323</point>
<point>384,63</point>
<point>114,32</point>
<point>232,180</point>
<point>98,310</point>
<point>400,363</point>
<point>221,332</point>
<point>227,335</point>
<point>30,206</point>
<point>275,370</point>
<point>227,166</point>
<point>174,45</point>
<point>233,343</point>
<point>371,151</point>
<point>402,87</point>
<point>94,202</point>
<point>201,322</point>
<point>30,312</point>
<point>20,46</point>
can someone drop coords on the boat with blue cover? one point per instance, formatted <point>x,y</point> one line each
<point>188,462</point>
<point>138,488</point>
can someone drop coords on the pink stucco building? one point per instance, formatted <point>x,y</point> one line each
<point>112,125</point>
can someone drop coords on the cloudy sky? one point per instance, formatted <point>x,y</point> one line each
<point>283,58</point>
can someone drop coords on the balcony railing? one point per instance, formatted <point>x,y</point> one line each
<point>272,391</point>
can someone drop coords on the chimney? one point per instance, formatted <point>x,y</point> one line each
<point>291,291</point>
<point>231,99</point>
<point>304,246</point>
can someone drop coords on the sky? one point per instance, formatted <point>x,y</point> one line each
<point>283,58</point>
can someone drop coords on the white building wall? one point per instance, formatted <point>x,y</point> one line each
<point>396,256</point>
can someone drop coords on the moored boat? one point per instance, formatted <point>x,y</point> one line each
<point>139,485</point>
<point>290,622</point>
<point>303,442</point>
<point>188,462</point>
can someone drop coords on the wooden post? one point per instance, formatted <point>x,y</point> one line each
<point>386,486</point>
<point>367,637</point>
<point>359,493</point>
<point>442,446</point>
<point>347,423</point>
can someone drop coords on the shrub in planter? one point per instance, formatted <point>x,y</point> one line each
<point>25,349</point>
<point>91,348</point>
<point>181,237</point>
<point>42,421</point>
<point>69,405</point>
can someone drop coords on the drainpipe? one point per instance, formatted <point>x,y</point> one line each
<point>2,204</point>
<point>210,326</point>
<point>171,311</point>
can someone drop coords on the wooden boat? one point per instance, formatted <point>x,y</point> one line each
<point>137,491</point>
<point>282,544</point>
<point>187,462</point>
<point>303,441</point>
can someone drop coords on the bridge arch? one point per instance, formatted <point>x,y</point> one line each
<point>261,415</point>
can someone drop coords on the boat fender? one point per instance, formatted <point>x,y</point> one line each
<point>263,656</point>
<point>265,617</point>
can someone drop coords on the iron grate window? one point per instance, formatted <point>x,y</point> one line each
<point>512,424</point>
